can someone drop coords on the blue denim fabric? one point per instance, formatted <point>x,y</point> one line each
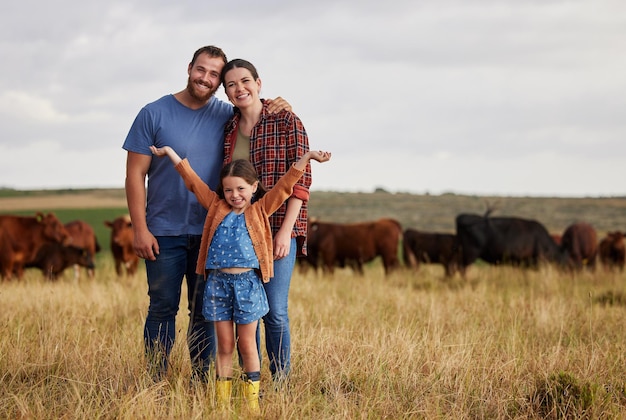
<point>177,258</point>
<point>276,322</point>
<point>234,297</point>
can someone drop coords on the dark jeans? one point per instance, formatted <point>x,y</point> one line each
<point>177,259</point>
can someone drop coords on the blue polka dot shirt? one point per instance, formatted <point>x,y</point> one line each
<point>231,245</point>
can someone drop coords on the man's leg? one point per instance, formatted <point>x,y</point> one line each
<point>165,276</point>
<point>201,337</point>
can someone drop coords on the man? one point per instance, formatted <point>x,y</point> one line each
<point>167,221</point>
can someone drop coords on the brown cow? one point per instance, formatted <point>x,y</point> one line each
<point>83,236</point>
<point>122,245</point>
<point>22,236</point>
<point>556,237</point>
<point>612,251</point>
<point>581,243</point>
<point>353,244</point>
<point>53,258</point>
<point>431,248</point>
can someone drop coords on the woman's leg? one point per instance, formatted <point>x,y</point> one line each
<point>276,322</point>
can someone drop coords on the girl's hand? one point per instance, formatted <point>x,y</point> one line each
<point>319,155</point>
<point>159,151</point>
<point>166,151</point>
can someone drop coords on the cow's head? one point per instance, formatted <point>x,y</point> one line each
<point>53,229</point>
<point>121,231</point>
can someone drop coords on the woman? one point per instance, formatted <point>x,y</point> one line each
<point>271,142</point>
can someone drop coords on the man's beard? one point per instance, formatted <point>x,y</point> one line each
<point>201,96</point>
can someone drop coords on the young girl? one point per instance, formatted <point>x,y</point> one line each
<point>236,254</point>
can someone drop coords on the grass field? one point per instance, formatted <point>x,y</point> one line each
<point>503,343</point>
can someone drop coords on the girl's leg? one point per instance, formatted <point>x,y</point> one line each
<point>251,364</point>
<point>247,346</point>
<point>225,348</point>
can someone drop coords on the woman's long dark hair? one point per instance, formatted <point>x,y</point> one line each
<point>239,63</point>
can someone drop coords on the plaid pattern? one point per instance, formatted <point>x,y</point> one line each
<point>277,141</point>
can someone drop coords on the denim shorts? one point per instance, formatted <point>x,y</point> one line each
<point>234,297</point>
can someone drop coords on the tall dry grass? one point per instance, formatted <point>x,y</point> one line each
<point>504,343</point>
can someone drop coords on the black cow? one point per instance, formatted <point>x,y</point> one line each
<point>506,240</point>
<point>431,248</point>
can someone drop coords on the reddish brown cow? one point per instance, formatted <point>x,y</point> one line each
<point>556,237</point>
<point>53,258</point>
<point>83,236</point>
<point>431,248</point>
<point>21,237</point>
<point>335,244</point>
<point>122,245</point>
<point>581,243</point>
<point>612,251</point>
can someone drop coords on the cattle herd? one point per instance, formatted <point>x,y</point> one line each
<point>43,242</point>
<point>494,240</point>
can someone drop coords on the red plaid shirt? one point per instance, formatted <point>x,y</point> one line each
<point>276,142</point>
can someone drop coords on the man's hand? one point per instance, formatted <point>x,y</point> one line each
<point>274,106</point>
<point>146,246</point>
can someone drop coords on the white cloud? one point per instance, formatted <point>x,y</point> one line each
<point>458,91</point>
<point>23,106</point>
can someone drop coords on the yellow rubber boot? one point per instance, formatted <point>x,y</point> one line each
<point>251,396</point>
<point>223,389</point>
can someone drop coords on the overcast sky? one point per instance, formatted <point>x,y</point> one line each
<point>471,97</point>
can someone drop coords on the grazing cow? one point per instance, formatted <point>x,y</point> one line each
<point>83,236</point>
<point>353,244</point>
<point>506,240</point>
<point>557,237</point>
<point>581,243</point>
<point>122,245</point>
<point>612,251</point>
<point>431,247</point>
<point>53,258</point>
<point>22,236</point>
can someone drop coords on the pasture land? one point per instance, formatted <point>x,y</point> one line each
<point>422,212</point>
<point>503,344</point>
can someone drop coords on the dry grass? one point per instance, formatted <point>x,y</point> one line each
<point>502,344</point>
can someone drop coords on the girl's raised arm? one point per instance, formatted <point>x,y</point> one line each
<point>166,151</point>
<point>317,155</point>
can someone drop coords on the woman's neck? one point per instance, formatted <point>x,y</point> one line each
<point>250,115</point>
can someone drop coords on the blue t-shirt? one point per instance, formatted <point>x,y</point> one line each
<point>231,245</point>
<point>197,135</point>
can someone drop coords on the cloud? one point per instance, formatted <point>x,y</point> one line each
<point>447,86</point>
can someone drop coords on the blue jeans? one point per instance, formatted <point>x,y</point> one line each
<point>177,259</point>
<point>276,322</point>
